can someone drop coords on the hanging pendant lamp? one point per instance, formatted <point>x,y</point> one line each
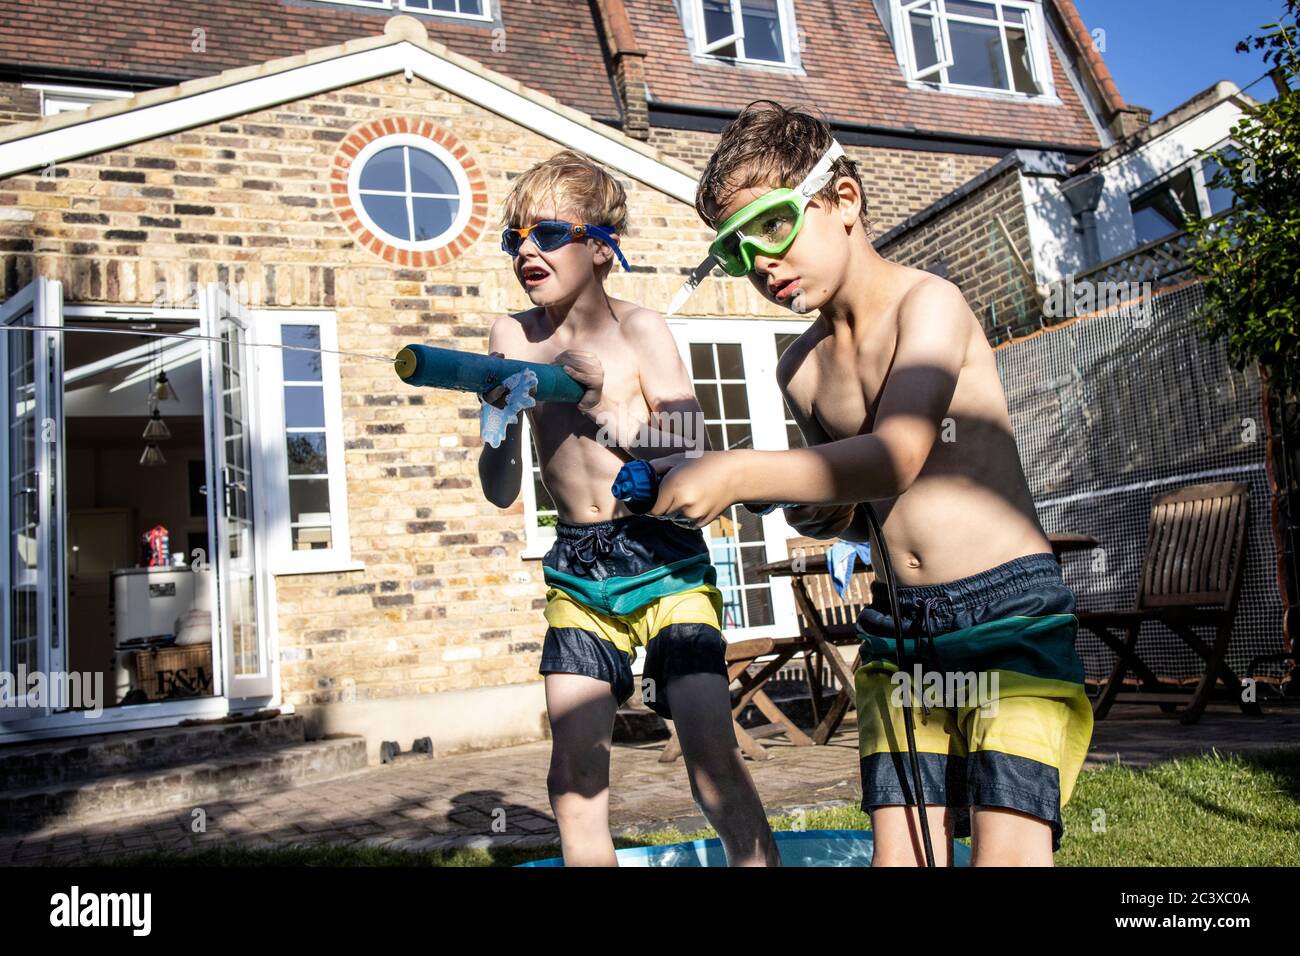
<point>163,390</point>
<point>153,456</point>
<point>157,429</point>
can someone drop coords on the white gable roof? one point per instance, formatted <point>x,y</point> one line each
<point>405,46</point>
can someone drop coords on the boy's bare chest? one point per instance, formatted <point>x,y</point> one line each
<point>846,397</point>
<point>622,381</point>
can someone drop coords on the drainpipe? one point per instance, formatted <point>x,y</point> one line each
<point>628,67</point>
<point>1084,193</point>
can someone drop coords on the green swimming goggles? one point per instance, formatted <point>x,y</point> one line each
<point>766,226</point>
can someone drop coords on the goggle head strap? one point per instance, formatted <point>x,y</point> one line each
<point>812,184</point>
<point>820,174</point>
<point>605,236</point>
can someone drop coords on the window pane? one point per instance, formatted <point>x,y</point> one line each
<point>971,8</point>
<point>301,366</point>
<point>1022,71</point>
<point>762,25</point>
<point>471,7</point>
<point>304,406</point>
<point>1221,197</point>
<point>433,217</point>
<point>717,20</point>
<point>708,396</point>
<point>384,170</point>
<point>309,501</point>
<point>739,435</point>
<point>388,213</point>
<point>758,606</point>
<point>702,366</point>
<point>1164,210</point>
<point>923,41</point>
<point>749,526</point>
<point>429,175</point>
<point>730,364</point>
<point>307,453</point>
<point>977,56</point>
<point>734,401</point>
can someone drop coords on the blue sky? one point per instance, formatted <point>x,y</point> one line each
<point>1163,52</point>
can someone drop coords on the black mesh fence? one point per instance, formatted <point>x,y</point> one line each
<point>1113,410</point>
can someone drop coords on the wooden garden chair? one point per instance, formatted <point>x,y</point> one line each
<point>824,622</point>
<point>740,656</point>
<point>1191,576</point>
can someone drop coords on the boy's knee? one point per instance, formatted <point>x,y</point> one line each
<point>585,779</point>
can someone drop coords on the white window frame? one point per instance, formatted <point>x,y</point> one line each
<point>937,75</point>
<point>538,538</point>
<point>57,98</point>
<point>693,22</point>
<point>1200,182</point>
<point>487,16</point>
<point>270,443</point>
<point>464,194</point>
<point>382,5</point>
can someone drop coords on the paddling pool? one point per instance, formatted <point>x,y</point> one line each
<point>798,848</point>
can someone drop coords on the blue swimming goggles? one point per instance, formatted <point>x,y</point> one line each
<point>550,234</point>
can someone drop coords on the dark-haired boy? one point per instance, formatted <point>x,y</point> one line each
<point>896,391</point>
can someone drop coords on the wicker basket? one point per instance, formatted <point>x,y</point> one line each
<point>170,672</point>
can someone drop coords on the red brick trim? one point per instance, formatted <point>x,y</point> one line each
<point>363,135</point>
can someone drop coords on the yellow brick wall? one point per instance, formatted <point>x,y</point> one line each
<point>247,202</point>
<point>18,105</point>
<point>978,257</point>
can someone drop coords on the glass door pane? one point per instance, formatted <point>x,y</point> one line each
<point>736,538</point>
<point>32,505</point>
<point>230,380</point>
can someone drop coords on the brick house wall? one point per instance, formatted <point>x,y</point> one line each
<point>18,105</point>
<point>445,603</point>
<point>965,243</point>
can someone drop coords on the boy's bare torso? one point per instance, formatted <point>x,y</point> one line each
<point>969,508</point>
<point>576,469</point>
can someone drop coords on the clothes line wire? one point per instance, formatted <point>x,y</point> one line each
<point>192,338</point>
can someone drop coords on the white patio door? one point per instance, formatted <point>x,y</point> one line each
<point>241,604</point>
<point>32,591</point>
<point>733,369</point>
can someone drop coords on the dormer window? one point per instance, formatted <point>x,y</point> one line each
<point>995,45</point>
<point>462,9</point>
<point>745,31</point>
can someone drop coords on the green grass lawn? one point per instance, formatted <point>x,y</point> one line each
<point>1206,811</point>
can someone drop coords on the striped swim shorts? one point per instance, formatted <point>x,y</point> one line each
<point>633,582</point>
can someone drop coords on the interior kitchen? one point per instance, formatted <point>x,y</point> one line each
<point>139,566</point>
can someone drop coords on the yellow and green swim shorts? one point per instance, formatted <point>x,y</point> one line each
<point>1000,713</point>
<point>636,581</point>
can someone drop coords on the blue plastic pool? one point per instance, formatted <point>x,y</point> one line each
<point>798,848</point>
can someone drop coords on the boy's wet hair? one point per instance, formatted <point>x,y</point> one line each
<point>769,145</point>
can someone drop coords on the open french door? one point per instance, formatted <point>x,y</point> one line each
<point>241,606</point>
<point>32,592</point>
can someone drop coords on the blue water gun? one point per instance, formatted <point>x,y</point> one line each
<point>637,486</point>
<point>467,372</point>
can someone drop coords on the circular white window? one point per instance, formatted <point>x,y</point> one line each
<point>410,192</point>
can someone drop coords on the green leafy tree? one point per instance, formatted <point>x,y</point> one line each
<point>1249,258</point>
<point>1249,263</point>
